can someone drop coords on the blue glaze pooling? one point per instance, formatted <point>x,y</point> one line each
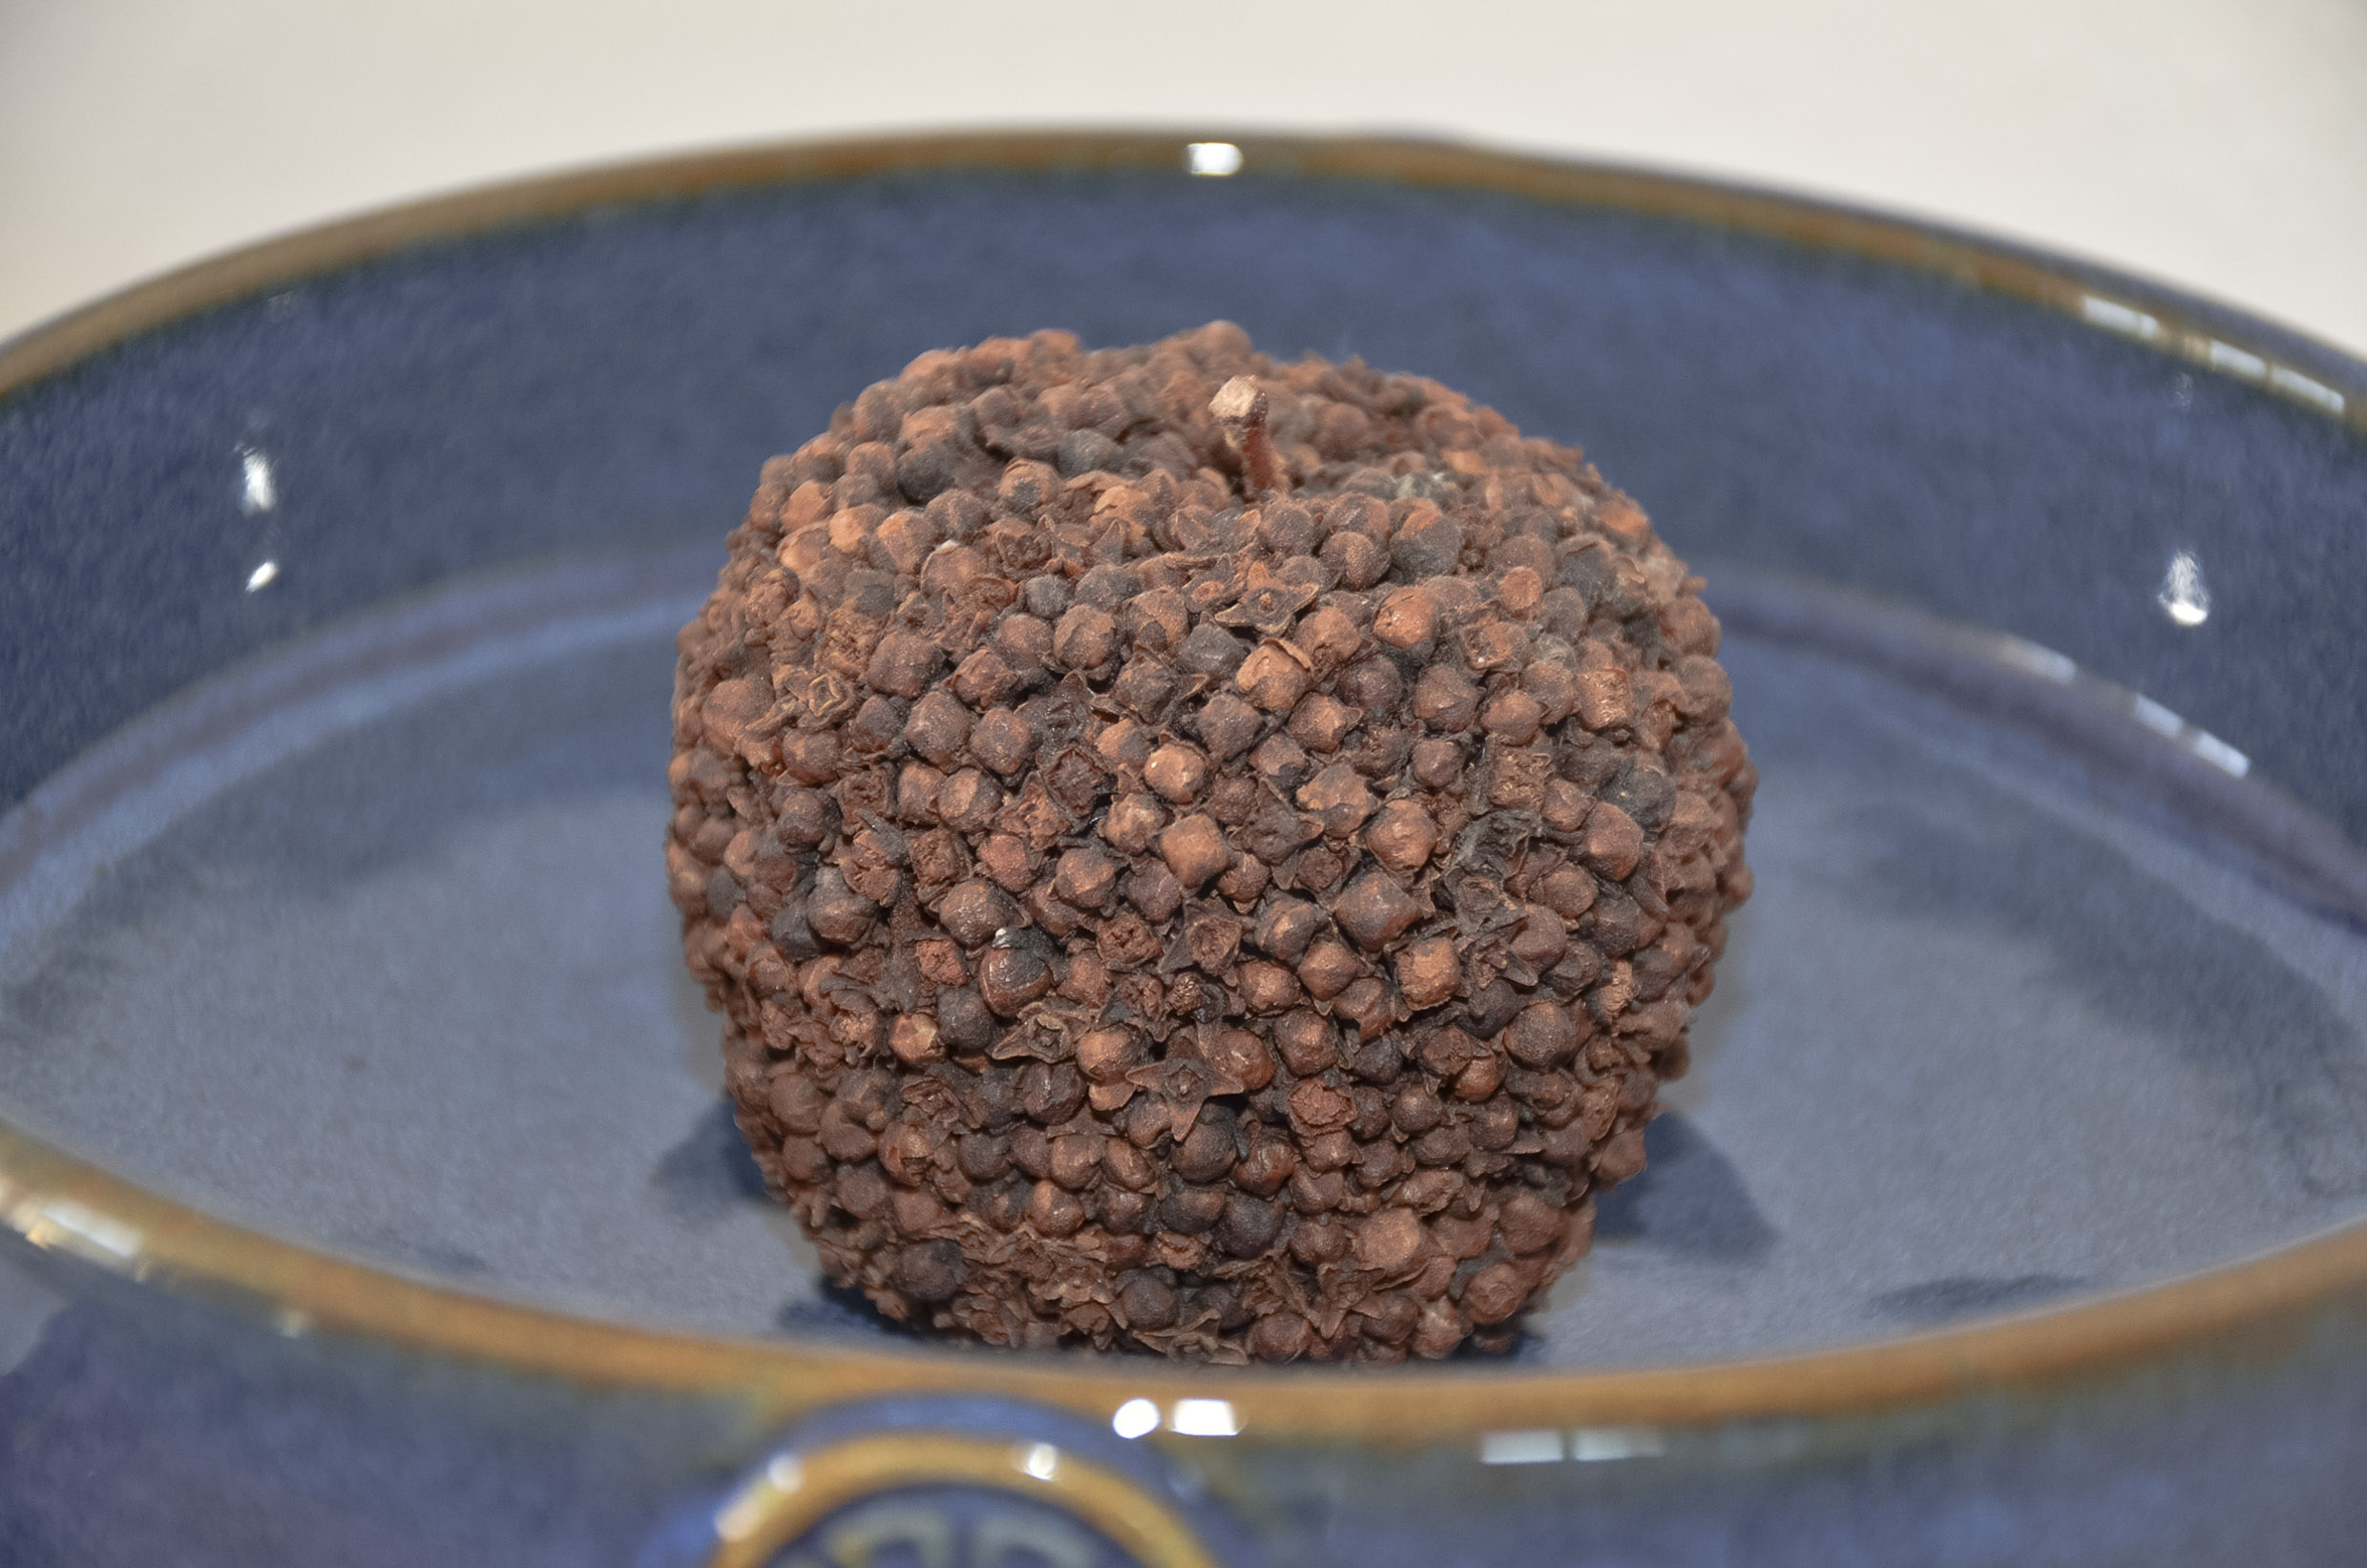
<point>617,377</point>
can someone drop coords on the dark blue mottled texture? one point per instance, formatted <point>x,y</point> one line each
<point>622,374</point>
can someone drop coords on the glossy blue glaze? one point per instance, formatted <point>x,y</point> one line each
<point>607,384</point>
<point>619,376</point>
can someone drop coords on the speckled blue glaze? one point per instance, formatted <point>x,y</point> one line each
<point>618,375</point>
<point>609,382</point>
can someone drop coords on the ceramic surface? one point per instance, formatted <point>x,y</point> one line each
<point>336,622</point>
<point>388,893</point>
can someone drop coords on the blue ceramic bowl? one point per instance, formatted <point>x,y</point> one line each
<point>368,1194</point>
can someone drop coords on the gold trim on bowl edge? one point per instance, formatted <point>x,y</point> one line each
<point>796,1491</point>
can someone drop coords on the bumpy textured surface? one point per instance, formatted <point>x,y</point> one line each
<point>1225,886</point>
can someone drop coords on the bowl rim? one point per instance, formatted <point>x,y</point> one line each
<point>62,1204</point>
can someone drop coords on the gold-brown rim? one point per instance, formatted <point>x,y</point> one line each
<point>2153,316</point>
<point>64,1203</point>
<point>795,1492</point>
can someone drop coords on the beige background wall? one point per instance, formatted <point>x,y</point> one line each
<point>2220,144</point>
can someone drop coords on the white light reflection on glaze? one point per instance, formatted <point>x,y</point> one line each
<point>2235,361</point>
<point>739,1518</point>
<point>1135,1418</point>
<point>2184,598</point>
<point>1203,1418</point>
<point>2221,356</point>
<point>2219,754</point>
<point>2299,385</point>
<point>1536,1445</point>
<point>2226,357</point>
<point>1212,159</point>
<point>1586,1445</point>
<point>263,576</point>
<point>64,1224</point>
<point>2116,317</point>
<point>1589,1444</point>
<point>2156,717</point>
<point>1040,1460</point>
<point>2036,658</point>
<point>257,490</point>
<point>2206,745</point>
<point>2185,601</point>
